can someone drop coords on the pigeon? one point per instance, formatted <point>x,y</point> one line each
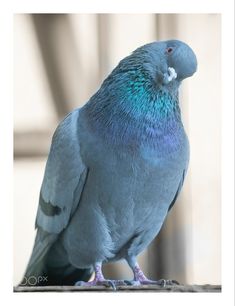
<point>115,168</point>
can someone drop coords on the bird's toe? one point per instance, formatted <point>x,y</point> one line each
<point>80,283</point>
<point>172,282</point>
<point>132,283</point>
<point>107,283</point>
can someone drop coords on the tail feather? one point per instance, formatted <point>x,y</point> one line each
<point>49,265</point>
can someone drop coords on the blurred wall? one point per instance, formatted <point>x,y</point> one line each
<point>59,62</point>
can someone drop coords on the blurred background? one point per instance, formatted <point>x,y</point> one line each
<point>60,60</point>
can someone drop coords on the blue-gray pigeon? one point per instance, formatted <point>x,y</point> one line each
<point>115,168</point>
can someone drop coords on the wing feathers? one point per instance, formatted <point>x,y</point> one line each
<point>64,177</point>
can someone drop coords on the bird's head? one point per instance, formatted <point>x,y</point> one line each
<point>150,69</point>
<point>166,61</point>
<point>181,58</point>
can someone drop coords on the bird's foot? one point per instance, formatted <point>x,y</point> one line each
<point>146,281</point>
<point>94,283</point>
<point>103,282</point>
<point>141,279</point>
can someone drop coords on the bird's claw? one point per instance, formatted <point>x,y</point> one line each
<point>104,282</point>
<point>172,282</point>
<point>167,282</point>
<point>161,282</point>
<point>107,283</point>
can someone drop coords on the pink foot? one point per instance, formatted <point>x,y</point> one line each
<point>141,279</point>
<point>97,282</point>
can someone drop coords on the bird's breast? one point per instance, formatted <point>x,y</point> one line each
<point>133,188</point>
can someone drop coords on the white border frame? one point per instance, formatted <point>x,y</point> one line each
<point>226,8</point>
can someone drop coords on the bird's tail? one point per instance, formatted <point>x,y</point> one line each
<point>49,265</point>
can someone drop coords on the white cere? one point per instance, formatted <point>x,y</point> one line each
<point>171,74</point>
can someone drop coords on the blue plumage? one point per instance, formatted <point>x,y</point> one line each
<point>114,170</point>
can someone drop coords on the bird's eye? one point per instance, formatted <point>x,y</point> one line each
<point>169,50</point>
